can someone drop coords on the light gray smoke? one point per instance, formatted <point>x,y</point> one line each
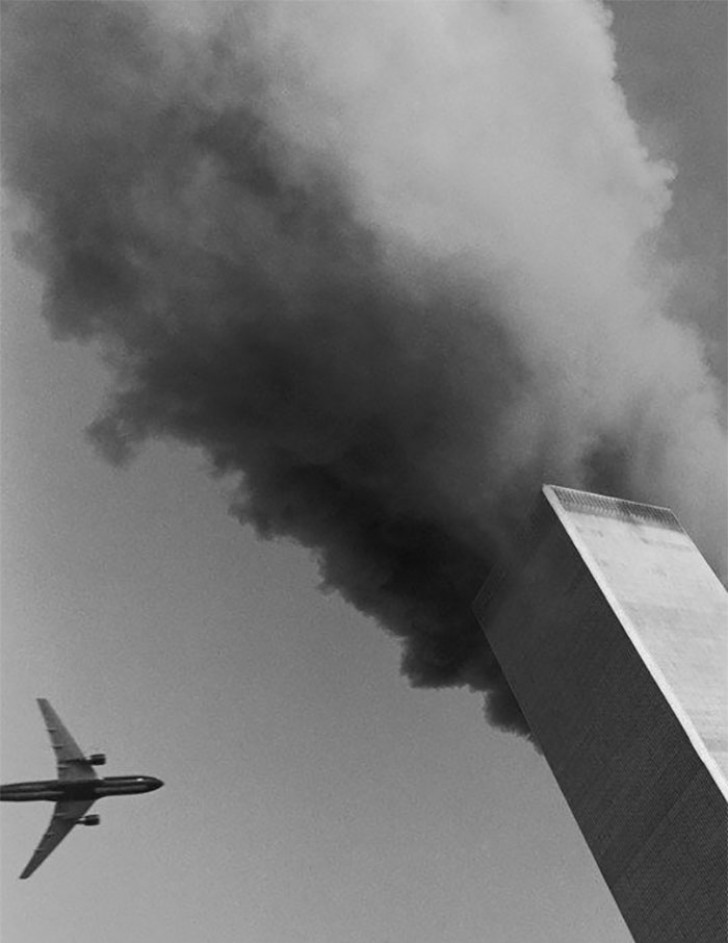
<point>389,264</point>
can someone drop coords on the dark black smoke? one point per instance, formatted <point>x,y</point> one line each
<point>366,397</point>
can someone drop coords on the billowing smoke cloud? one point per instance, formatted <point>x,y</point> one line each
<point>390,265</point>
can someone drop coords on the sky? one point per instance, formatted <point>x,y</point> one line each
<point>310,792</point>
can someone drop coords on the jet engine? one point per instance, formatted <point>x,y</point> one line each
<point>97,759</point>
<point>89,820</point>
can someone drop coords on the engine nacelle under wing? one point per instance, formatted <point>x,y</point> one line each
<point>97,759</point>
<point>89,820</point>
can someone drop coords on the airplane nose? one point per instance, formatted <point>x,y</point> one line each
<point>157,782</point>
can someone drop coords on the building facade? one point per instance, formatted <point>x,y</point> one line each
<point>612,631</point>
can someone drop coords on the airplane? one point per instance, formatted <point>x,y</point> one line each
<point>75,790</point>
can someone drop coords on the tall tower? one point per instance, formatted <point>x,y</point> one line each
<point>612,631</point>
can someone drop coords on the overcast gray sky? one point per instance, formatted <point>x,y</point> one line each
<point>311,794</point>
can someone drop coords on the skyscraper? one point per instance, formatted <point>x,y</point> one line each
<point>612,631</point>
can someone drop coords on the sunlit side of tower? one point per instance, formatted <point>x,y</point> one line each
<point>612,631</point>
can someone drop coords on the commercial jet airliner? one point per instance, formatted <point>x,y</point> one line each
<point>75,790</point>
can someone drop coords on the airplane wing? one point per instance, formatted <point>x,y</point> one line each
<point>65,816</point>
<point>71,762</point>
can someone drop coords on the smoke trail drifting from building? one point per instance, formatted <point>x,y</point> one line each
<point>388,264</point>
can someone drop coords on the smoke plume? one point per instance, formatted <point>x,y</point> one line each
<point>391,266</point>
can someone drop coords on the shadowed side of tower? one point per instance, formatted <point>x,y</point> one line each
<point>611,629</point>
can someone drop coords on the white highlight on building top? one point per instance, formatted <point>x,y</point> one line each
<point>672,605</point>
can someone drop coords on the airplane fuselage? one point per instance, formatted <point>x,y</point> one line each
<point>74,791</point>
<point>70,790</point>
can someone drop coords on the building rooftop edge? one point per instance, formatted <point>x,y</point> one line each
<point>600,505</point>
